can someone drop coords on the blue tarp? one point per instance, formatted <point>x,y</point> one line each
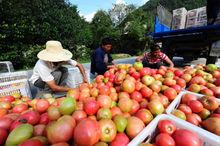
<point>159,27</point>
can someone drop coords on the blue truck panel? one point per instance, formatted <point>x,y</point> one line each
<point>193,30</point>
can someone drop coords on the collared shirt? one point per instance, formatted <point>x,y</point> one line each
<point>99,61</point>
<point>152,59</point>
<point>43,69</point>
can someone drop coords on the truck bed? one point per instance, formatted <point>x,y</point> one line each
<point>190,43</point>
<point>210,30</point>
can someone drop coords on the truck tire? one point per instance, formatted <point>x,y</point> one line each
<point>211,60</point>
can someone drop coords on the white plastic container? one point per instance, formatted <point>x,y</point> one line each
<point>15,82</point>
<point>149,132</point>
<point>177,100</point>
<point>75,77</point>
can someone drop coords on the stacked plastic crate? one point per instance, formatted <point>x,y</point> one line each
<point>16,82</point>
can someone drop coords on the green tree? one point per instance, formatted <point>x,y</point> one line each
<point>26,24</point>
<point>102,26</point>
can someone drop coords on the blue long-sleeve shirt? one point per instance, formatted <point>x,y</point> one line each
<point>99,61</point>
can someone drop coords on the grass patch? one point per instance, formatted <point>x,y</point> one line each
<point>84,60</point>
<point>120,56</point>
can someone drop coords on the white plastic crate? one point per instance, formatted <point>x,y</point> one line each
<point>177,100</point>
<point>149,132</point>
<point>15,82</point>
<point>6,66</point>
<point>75,77</point>
<point>13,76</point>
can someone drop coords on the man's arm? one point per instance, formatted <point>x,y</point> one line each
<point>110,61</point>
<point>139,59</point>
<point>56,88</point>
<point>82,70</point>
<point>169,62</point>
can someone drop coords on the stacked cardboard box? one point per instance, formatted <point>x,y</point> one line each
<point>179,18</point>
<point>196,17</point>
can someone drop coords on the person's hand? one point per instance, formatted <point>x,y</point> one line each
<point>85,80</point>
<point>138,59</point>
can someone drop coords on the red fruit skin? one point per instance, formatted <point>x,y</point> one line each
<point>3,135</point>
<point>178,88</point>
<point>87,132</point>
<point>187,97</point>
<point>164,139</point>
<point>17,122</point>
<point>184,137</point>
<point>12,116</point>
<point>185,108</point>
<point>121,139</point>
<point>170,93</point>
<point>178,73</point>
<point>44,119</point>
<point>166,126</point>
<point>42,105</point>
<point>8,98</point>
<point>79,115</point>
<point>195,105</point>
<point>20,108</point>
<point>60,130</point>
<point>60,144</point>
<point>215,115</point>
<point>217,82</point>
<point>31,142</point>
<point>5,122</point>
<point>91,107</point>
<point>32,117</point>
<point>136,96</point>
<point>181,82</point>
<point>146,92</point>
<point>136,75</point>
<point>39,129</point>
<point>192,119</point>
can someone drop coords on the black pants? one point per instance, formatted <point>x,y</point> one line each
<point>211,60</point>
<point>154,66</point>
<point>60,75</point>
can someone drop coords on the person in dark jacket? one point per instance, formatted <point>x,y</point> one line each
<point>101,57</point>
<point>213,10</point>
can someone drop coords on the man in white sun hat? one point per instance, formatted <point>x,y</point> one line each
<point>48,74</point>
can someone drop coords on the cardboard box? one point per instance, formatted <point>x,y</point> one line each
<point>196,17</point>
<point>179,18</point>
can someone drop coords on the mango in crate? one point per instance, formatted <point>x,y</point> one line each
<point>16,95</point>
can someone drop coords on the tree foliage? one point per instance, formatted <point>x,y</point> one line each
<point>26,25</point>
<point>102,26</point>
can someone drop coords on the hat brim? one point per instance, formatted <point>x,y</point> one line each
<point>63,55</point>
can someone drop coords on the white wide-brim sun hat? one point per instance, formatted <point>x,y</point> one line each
<point>54,52</point>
